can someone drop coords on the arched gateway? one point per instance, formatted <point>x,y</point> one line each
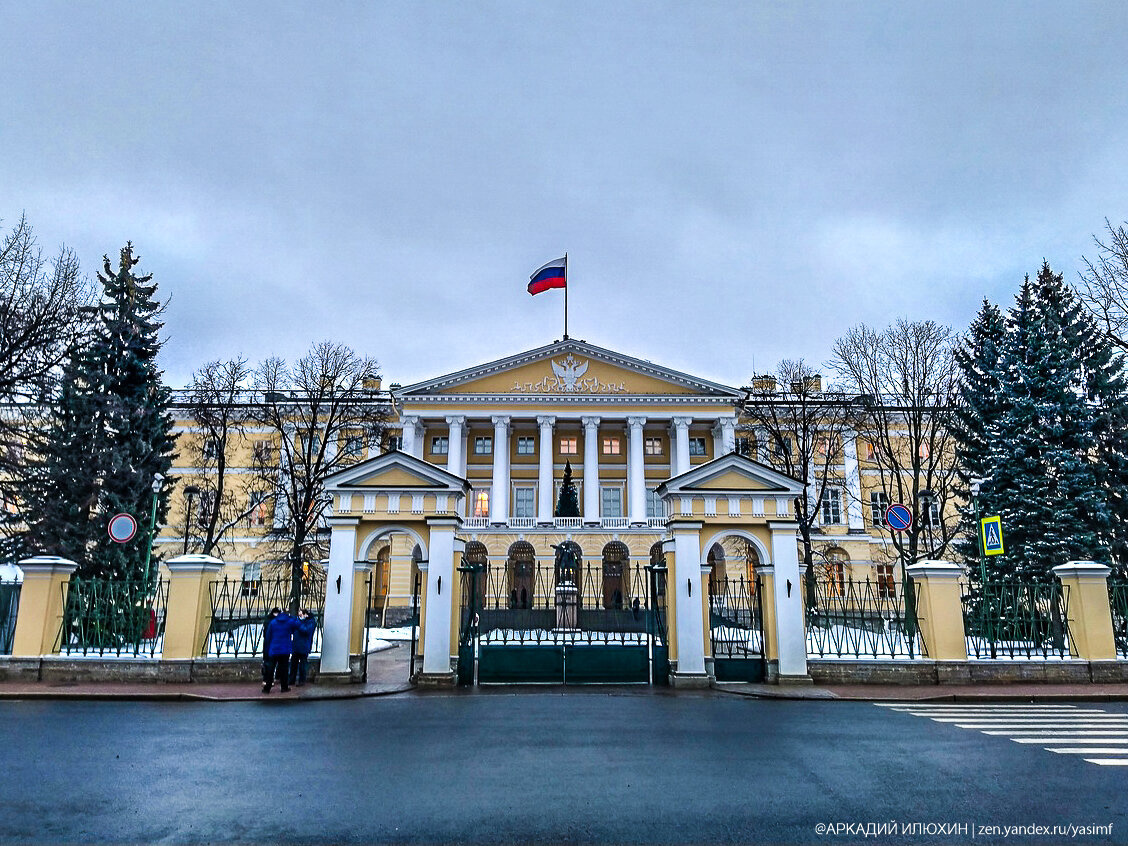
<point>614,587</point>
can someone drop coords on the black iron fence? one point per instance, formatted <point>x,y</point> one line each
<point>736,625</point>
<point>118,617</point>
<point>1118,604</point>
<point>862,618</point>
<point>239,609</point>
<point>9,605</point>
<point>1011,619</point>
<point>528,603</point>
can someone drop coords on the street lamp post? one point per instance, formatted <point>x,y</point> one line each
<point>190,492</point>
<point>158,480</point>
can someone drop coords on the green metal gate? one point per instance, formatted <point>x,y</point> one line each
<point>736,629</point>
<point>565,623</point>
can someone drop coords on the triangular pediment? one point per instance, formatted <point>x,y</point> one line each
<point>396,471</point>
<point>730,475</point>
<point>570,368</point>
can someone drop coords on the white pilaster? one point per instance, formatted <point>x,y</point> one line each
<point>440,577</point>
<point>686,580</point>
<point>591,469</point>
<point>338,595</point>
<point>790,634</point>
<point>853,481</point>
<point>412,435</point>
<point>499,496</point>
<point>636,473</point>
<point>544,470</point>
<point>680,451</point>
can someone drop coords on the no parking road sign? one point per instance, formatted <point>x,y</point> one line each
<point>991,533</point>
<point>898,517</point>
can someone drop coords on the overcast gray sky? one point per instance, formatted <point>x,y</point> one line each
<point>735,183</point>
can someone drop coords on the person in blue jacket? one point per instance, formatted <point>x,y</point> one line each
<point>279,644</point>
<point>303,644</point>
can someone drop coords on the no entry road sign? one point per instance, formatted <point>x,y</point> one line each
<point>898,517</point>
<point>122,528</point>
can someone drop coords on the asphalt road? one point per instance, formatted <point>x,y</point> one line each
<point>552,766</point>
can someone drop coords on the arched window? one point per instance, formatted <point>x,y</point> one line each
<point>476,555</point>
<point>834,571</point>
<point>521,566</point>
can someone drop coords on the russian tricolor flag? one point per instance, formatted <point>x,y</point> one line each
<point>552,275</point>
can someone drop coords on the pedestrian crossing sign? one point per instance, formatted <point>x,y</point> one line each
<point>991,533</point>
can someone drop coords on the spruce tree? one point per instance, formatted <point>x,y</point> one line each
<point>108,435</point>
<point>1040,474</point>
<point>568,505</point>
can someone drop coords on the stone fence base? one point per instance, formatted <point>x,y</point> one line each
<point>61,669</point>
<point>925,672</point>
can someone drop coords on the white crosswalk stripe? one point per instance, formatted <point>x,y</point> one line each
<point>1062,729</point>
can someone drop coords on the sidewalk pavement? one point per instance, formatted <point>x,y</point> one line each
<point>388,672</point>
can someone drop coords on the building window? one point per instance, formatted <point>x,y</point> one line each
<point>835,576</point>
<point>569,446</point>
<point>867,450</point>
<point>210,447</point>
<point>655,507</point>
<point>831,506</point>
<point>696,446</point>
<point>354,445</point>
<point>483,446</point>
<point>652,446</point>
<point>781,449</point>
<point>252,578</point>
<point>885,585</point>
<point>440,445</point>
<point>828,446</point>
<point>611,502</point>
<point>259,509</point>
<point>524,502</point>
<point>929,511</point>
<point>879,504</point>
<point>394,442</point>
<point>611,446</point>
<point>746,446</point>
<point>481,504</point>
<point>525,446</point>
<point>204,509</point>
<point>262,452</point>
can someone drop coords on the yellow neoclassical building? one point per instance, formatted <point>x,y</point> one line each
<point>665,470</point>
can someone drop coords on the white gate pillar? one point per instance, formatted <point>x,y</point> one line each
<point>791,636</point>
<point>338,598</point>
<point>441,591</point>
<point>684,580</point>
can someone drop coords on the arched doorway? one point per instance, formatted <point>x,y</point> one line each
<point>615,587</point>
<point>521,564</point>
<point>393,555</point>
<point>736,626</point>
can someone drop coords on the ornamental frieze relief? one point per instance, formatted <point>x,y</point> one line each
<point>569,377</point>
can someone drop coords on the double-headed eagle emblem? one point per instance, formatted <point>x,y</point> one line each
<point>570,372</point>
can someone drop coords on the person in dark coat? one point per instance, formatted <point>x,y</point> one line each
<point>274,612</point>
<point>280,643</point>
<point>303,644</point>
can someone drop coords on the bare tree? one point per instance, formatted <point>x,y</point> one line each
<point>799,429</point>
<point>905,377</point>
<point>219,403</point>
<point>44,315</point>
<point>323,414</point>
<point>1106,284</point>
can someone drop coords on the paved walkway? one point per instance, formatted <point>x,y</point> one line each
<point>388,672</point>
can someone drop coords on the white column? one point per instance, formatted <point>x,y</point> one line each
<point>636,473</point>
<point>790,634</point>
<point>724,437</point>
<point>454,444</point>
<point>338,595</point>
<point>686,581</point>
<point>499,496</point>
<point>853,481</point>
<point>544,471</point>
<point>681,444</point>
<point>440,575</point>
<point>591,469</point>
<point>412,435</point>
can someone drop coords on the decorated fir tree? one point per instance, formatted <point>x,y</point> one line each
<point>108,435</point>
<point>568,505</point>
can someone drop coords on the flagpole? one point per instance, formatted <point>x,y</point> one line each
<point>565,296</point>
